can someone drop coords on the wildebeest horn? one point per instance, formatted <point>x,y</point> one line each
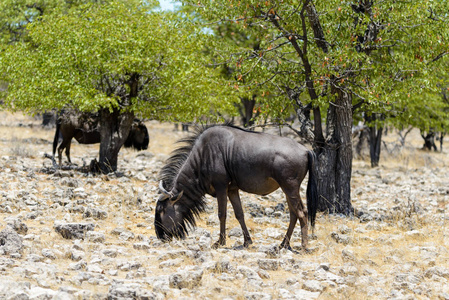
<point>163,190</point>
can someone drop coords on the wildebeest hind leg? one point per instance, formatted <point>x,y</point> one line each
<point>239,215</point>
<point>297,212</point>
<point>60,150</point>
<point>293,219</point>
<point>222,210</point>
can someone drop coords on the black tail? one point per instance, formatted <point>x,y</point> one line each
<point>312,192</point>
<point>138,137</point>
<point>56,139</point>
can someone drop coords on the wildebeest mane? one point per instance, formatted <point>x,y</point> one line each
<point>176,160</point>
<point>180,155</point>
<point>192,202</point>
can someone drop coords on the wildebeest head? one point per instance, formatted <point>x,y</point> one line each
<point>169,221</point>
<point>138,137</point>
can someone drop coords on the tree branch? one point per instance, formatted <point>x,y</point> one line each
<point>438,57</point>
<point>318,32</point>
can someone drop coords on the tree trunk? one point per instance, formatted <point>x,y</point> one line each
<point>114,129</point>
<point>246,110</point>
<point>375,139</point>
<point>429,140</point>
<point>334,153</point>
<point>334,157</point>
<point>363,136</point>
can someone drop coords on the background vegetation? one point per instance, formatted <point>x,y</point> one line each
<point>330,64</point>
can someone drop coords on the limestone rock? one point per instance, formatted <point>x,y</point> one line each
<point>74,230</point>
<point>10,241</point>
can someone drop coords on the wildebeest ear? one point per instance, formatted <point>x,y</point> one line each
<point>177,197</point>
<point>163,197</point>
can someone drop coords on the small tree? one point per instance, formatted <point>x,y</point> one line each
<point>119,58</point>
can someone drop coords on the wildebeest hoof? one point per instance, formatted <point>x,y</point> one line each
<point>217,244</point>
<point>306,250</point>
<point>247,243</point>
<point>286,246</point>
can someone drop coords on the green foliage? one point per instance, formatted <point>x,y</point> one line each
<point>15,15</point>
<point>390,56</point>
<point>87,57</point>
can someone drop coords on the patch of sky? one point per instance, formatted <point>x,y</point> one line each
<point>168,5</point>
<point>172,6</point>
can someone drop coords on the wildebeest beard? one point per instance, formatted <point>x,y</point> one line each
<point>192,202</point>
<point>164,234</point>
<point>179,230</point>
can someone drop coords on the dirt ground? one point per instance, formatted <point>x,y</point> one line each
<point>397,249</point>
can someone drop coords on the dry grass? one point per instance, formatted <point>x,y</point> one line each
<point>374,248</point>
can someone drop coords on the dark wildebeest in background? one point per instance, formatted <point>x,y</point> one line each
<point>220,160</point>
<point>84,128</point>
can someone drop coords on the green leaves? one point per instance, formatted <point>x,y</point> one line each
<point>84,54</point>
<point>382,52</point>
<point>87,56</point>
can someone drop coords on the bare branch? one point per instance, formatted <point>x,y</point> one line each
<point>438,57</point>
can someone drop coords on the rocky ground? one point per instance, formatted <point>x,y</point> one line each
<point>70,235</point>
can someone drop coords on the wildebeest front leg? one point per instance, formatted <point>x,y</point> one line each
<point>222,211</point>
<point>239,215</point>
<point>67,152</point>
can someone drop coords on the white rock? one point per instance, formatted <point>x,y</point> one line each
<point>313,286</point>
<point>186,279</point>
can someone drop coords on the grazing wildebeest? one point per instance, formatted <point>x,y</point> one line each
<point>220,160</point>
<point>84,128</point>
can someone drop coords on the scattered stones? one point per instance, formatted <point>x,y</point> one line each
<point>186,279</point>
<point>95,237</point>
<point>313,286</point>
<point>110,252</point>
<point>271,251</point>
<point>344,229</point>
<point>131,291</point>
<point>17,224</point>
<point>77,255</point>
<point>126,235</point>
<point>438,271</point>
<point>10,241</point>
<point>394,247</point>
<point>268,264</point>
<point>235,232</point>
<point>73,230</point>
<point>304,294</point>
<point>348,255</point>
<point>257,296</point>
<point>274,233</point>
<point>341,238</point>
<point>49,253</point>
<point>95,213</point>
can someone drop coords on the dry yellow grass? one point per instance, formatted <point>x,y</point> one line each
<point>380,248</point>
